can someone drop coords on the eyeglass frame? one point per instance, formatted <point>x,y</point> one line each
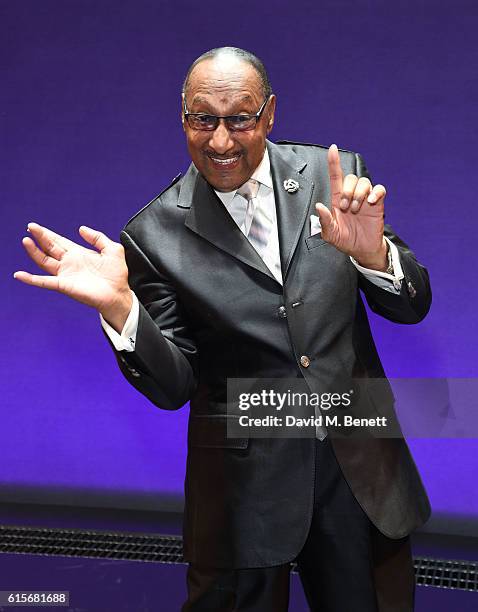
<point>217,118</point>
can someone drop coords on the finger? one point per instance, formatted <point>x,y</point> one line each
<point>51,243</point>
<point>335,175</point>
<point>362,190</point>
<point>377,193</point>
<point>45,282</point>
<point>46,263</point>
<point>97,239</point>
<point>348,188</point>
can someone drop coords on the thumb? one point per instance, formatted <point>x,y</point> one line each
<point>97,239</point>
<point>325,217</point>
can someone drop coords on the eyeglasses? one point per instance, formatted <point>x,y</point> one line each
<point>235,123</point>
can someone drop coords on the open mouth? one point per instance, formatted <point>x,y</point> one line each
<point>227,162</point>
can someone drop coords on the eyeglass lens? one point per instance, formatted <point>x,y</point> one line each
<point>233,122</point>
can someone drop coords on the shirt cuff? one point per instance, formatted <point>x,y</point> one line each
<point>389,282</point>
<point>127,339</point>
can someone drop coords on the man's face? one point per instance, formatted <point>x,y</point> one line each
<point>227,86</point>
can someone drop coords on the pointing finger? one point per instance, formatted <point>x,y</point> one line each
<point>336,176</point>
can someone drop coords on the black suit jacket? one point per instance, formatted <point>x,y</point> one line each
<point>209,310</point>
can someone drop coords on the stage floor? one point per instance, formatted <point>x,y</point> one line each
<point>97,585</point>
<point>117,585</point>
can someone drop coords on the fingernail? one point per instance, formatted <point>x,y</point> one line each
<point>372,198</point>
<point>344,204</point>
<point>355,205</point>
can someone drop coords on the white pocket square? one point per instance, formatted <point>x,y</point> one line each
<point>315,227</point>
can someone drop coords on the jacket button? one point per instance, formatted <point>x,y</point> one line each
<point>305,361</point>
<point>282,312</point>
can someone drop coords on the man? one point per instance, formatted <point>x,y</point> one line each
<point>240,270</point>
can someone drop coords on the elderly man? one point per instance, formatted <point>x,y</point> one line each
<point>251,266</point>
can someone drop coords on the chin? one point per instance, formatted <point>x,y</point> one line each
<point>225,184</point>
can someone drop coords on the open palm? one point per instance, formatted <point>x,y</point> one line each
<point>92,277</point>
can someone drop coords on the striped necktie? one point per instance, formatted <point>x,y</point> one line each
<point>261,224</point>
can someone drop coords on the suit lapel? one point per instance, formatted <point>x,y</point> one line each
<point>291,208</point>
<point>208,218</point>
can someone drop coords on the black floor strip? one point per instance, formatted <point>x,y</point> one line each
<point>441,573</point>
<point>446,574</point>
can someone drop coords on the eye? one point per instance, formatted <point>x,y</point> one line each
<point>238,119</point>
<point>205,119</point>
<point>201,121</point>
<point>240,122</point>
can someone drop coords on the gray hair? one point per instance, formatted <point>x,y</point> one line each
<point>241,54</point>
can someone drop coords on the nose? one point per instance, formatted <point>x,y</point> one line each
<point>221,140</point>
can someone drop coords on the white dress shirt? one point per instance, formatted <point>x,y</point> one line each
<point>237,208</point>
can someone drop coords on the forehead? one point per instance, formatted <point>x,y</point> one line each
<point>224,80</point>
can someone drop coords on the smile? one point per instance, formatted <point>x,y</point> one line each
<point>225,162</point>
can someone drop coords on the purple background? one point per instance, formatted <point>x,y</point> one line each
<point>90,133</point>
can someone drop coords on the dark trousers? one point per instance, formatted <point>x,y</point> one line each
<point>346,563</point>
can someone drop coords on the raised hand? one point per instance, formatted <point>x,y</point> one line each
<point>98,278</point>
<point>354,224</point>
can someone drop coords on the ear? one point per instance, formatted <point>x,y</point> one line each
<point>183,121</point>
<point>271,113</point>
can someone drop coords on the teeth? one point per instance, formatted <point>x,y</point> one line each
<point>225,162</point>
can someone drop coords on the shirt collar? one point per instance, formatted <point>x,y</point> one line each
<point>262,174</point>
